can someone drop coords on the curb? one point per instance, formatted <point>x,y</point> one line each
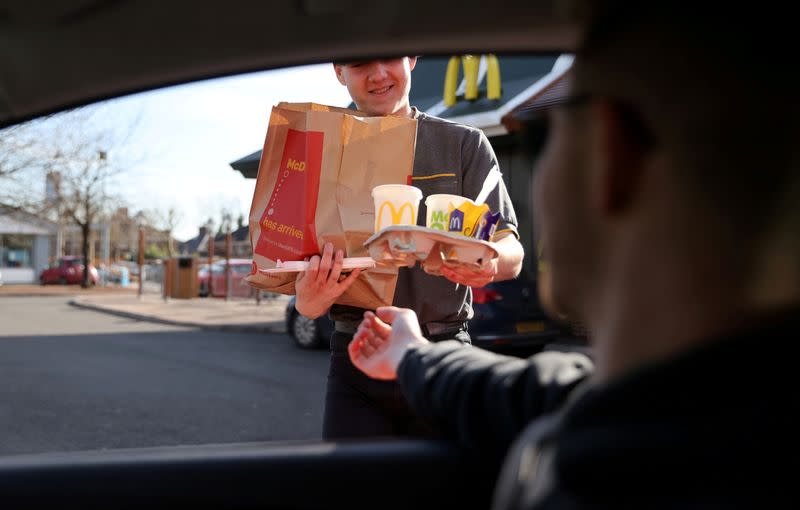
<point>72,295</point>
<point>267,327</point>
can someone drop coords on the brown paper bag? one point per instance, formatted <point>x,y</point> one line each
<point>315,178</point>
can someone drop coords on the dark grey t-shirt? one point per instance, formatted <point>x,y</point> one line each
<point>455,159</point>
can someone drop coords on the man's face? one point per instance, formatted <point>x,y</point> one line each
<point>378,87</point>
<point>561,204</point>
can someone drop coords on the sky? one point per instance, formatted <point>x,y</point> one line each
<point>185,138</point>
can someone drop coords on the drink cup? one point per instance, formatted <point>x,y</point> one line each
<point>439,207</point>
<point>395,204</point>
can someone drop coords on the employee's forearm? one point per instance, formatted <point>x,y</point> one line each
<point>510,256</point>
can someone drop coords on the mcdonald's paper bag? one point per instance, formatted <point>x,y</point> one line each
<point>317,170</point>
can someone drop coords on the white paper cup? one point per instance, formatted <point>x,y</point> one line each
<point>395,204</point>
<point>438,209</point>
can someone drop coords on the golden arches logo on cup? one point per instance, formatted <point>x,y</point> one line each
<point>395,204</point>
<point>396,217</point>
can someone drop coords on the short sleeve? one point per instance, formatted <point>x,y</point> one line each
<point>479,158</point>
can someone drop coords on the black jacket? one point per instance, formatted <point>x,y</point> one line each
<point>704,430</point>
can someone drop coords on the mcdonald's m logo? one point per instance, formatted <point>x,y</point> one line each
<point>472,71</point>
<point>456,221</point>
<point>396,215</point>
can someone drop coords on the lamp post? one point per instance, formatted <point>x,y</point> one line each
<point>140,256</point>
<point>210,248</point>
<point>228,245</point>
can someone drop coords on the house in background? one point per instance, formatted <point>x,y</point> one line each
<point>29,243</point>
<point>26,244</point>
<point>240,243</point>
<point>114,239</point>
<point>198,245</point>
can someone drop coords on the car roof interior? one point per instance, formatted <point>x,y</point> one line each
<point>57,54</point>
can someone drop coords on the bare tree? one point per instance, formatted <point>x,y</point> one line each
<point>23,154</point>
<point>85,157</point>
<point>82,195</point>
<point>77,154</point>
<point>167,221</point>
<point>17,150</point>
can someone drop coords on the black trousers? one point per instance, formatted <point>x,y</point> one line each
<point>357,406</point>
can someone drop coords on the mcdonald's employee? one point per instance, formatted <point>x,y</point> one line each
<point>450,158</point>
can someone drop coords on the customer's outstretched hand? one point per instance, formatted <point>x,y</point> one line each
<point>382,340</point>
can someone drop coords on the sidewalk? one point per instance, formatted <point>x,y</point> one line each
<point>207,313</point>
<point>242,315</point>
<point>34,289</point>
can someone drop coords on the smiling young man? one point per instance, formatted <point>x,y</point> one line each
<point>379,87</point>
<point>449,158</point>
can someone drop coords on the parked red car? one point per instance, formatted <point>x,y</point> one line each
<point>239,269</point>
<point>68,270</point>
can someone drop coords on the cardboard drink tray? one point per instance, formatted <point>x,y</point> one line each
<point>405,245</point>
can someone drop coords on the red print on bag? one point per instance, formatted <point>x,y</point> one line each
<point>287,225</point>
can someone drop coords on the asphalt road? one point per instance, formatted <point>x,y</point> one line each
<point>75,379</point>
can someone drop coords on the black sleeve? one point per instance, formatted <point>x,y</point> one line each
<point>484,399</point>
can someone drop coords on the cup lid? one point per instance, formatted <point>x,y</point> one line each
<point>444,195</point>
<point>403,187</point>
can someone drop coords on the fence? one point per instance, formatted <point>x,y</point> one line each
<point>186,277</point>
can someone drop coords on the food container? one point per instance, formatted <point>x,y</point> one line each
<point>405,245</point>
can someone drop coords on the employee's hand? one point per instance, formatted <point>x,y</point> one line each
<point>474,277</point>
<point>318,287</point>
<point>382,339</point>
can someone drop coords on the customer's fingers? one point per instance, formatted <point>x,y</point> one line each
<point>360,333</point>
<point>387,314</point>
<point>354,350</point>
<point>362,326</point>
<point>366,335</point>
<point>406,318</point>
<point>366,349</point>
<point>381,328</point>
<point>372,339</point>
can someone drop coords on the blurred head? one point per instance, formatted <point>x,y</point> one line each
<point>679,132</point>
<point>562,203</point>
<point>378,87</point>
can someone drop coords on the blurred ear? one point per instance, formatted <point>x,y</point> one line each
<point>339,70</point>
<point>621,153</point>
<point>412,62</point>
